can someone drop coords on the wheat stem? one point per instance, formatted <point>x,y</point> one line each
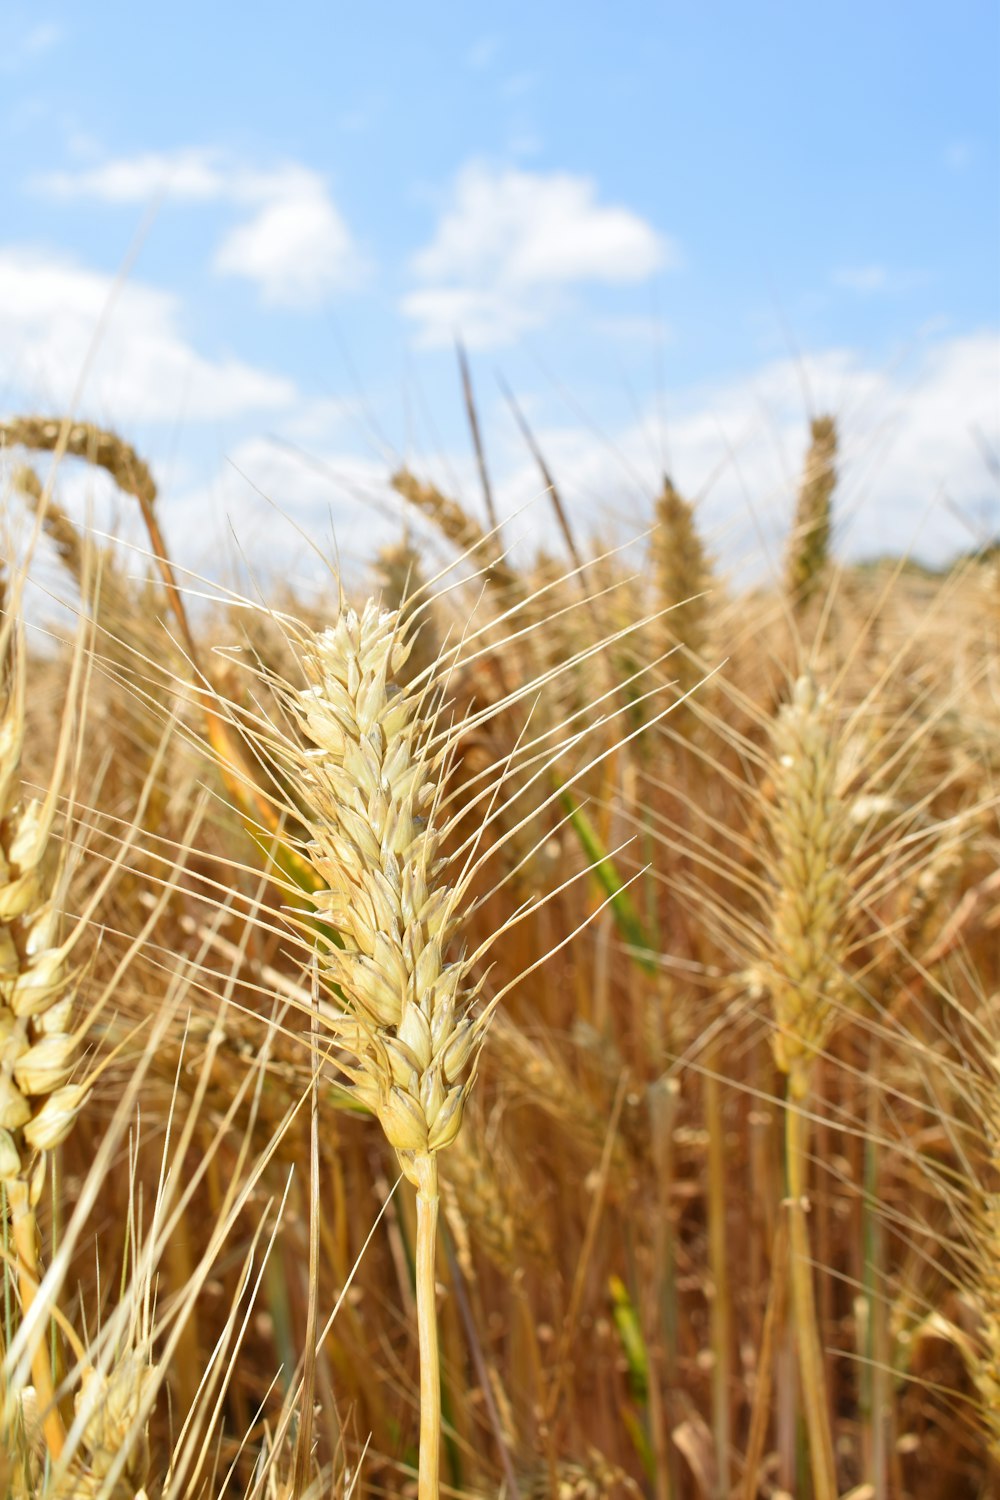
<point>811,1363</point>
<point>426,1172</point>
<point>721,1320</point>
<point>24,1230</point>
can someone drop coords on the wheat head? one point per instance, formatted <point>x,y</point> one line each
<point>371,790</point>
<point>683,576</point>
<point>809,544</point>
<point>38,1048</point>
<point>811,901</point>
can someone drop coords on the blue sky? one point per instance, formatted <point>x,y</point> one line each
<point>674,230</point>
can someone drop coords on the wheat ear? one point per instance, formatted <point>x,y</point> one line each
<point>683,576</point>
<point>38,1048</point>
<point>809,923</point>
<point>370,789</point>
<point>809,544</point>
<point>461,529</point>
<point>104,449</point>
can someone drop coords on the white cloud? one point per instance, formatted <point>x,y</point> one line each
<point>510,240</point>
<point>295,247</point>
<point>143,368</point>
<point>485,318</point>
<point>283,516</point>
<point>909,456</point>
<point>536,227</point>
<point>191,175</point>
<point>907,445</point>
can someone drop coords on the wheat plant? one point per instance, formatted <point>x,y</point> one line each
<point>686,1020</point>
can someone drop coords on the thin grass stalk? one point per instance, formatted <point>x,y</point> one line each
<point>874,1396</point>
<point>477,440</point>
<point>721,1316</point>
<point>426,1169</point>
<point>664,1103</point>
<point>24,1233</point>
<point>303,1446</point>
<point>812,1363</point>
<point>548,481</point>
<point>483,1372</point>
<point>774,1319</point>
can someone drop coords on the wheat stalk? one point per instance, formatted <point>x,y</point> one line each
<point>808,950</point>
<point>370,787</point>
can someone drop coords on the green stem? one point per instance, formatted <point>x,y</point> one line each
<point>811,1364</point>
<point>426,1172</point>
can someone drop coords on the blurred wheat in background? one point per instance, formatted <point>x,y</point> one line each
<point>646,926</point>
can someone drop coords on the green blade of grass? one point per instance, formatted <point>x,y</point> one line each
<point>603,869</point>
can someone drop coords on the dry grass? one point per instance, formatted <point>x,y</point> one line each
<point>719,1178</point>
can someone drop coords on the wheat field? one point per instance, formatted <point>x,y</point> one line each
<point>522,1030</point>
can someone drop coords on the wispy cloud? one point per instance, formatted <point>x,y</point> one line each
<point>637,330</point>
<point>869,280</point>
<point>482,53</point>
<point>143,368</point>
<point>295,247</point>
<point>958,156</point>
<point>193,175</point>
<point>285,513</point>
<point>18,50</point>
<point>508,241</point>
<point>861,278</point>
